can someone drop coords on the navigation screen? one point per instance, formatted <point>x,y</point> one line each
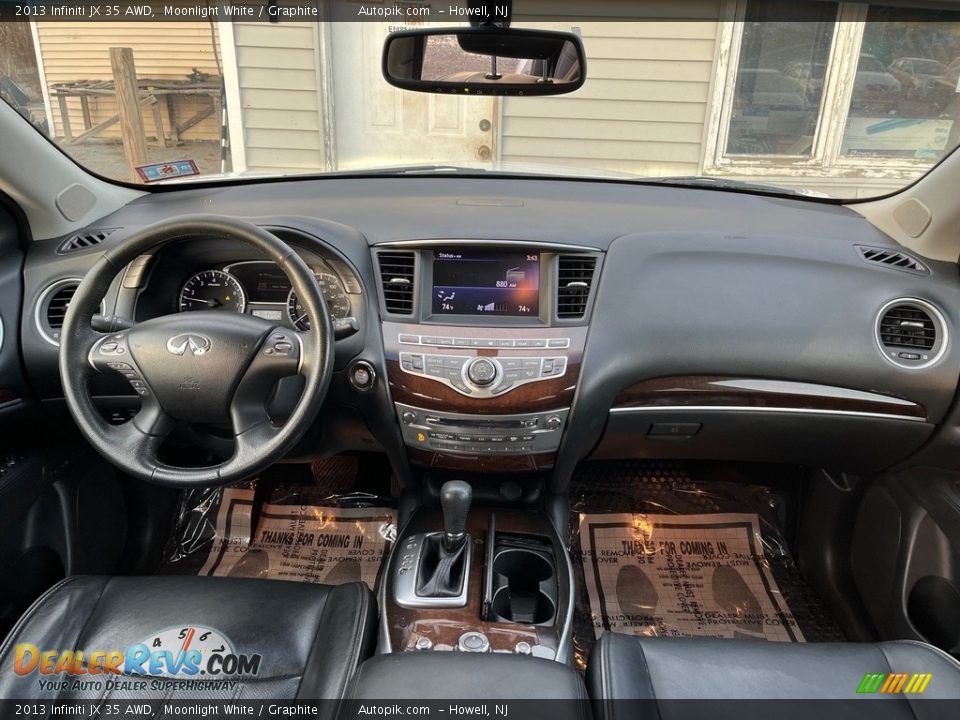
<point>484,283</point>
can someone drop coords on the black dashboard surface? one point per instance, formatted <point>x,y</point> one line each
<point>694,282</point>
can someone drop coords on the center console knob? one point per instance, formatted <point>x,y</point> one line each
<point>473,642</point>
<point>482,371</point>
<point>554,422</point>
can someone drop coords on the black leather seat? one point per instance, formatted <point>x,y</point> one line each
<point>310,638</point>
<point>672,672</point>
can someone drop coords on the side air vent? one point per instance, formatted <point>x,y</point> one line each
<point>896,259</point>
<point>574,280</point>
<point>397,281</point>
<point>83,240</point>
<point>911,333</point>
<point>52,308</point>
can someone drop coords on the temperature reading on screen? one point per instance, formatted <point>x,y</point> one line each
<point>484,283</point>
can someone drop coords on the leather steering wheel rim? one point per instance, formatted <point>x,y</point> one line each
<point>253,353</point>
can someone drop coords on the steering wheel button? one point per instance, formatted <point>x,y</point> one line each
<point>283,347</point>
<point>108,347</point>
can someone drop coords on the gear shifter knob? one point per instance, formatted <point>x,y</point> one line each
<point>455,497</point>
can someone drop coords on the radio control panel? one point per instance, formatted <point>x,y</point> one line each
<point>480,398</point>
<point>445,432</point>
<point>481,376</point>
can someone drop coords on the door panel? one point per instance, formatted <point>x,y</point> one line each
<point>13,392</point>
<point>905,556</point>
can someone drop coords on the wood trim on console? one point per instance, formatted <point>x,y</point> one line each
<point>719,391</point>
<point>427,393</point>
<point>481,463</point>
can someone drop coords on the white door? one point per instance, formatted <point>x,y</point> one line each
<point>377,124</point>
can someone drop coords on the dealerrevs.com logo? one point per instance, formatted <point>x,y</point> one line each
<point>202,656</point>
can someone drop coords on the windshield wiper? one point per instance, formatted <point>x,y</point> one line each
<point>413,170</point>
<point>699,181</point>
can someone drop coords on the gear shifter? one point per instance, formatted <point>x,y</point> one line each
<point>435,567</point>
<point>455,497</point>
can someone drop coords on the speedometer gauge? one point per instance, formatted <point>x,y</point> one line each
<point>337,301</point>
<point>213,290</point>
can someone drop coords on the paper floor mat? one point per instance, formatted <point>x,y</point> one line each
<point>301,542</point>
<point>682,575</point>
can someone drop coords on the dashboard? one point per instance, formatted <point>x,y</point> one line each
<point>511,325</point>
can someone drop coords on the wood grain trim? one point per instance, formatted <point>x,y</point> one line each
<point>481,463</point>
<point>444,626</point>
<point>721,391</point>
<point>427,393</point>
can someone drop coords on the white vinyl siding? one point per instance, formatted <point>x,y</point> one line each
<point>277,67</point>
<point>646,100</point>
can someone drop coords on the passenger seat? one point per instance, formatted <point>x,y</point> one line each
<point>662,670</point>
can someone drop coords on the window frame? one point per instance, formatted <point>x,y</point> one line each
<point>826,160</point>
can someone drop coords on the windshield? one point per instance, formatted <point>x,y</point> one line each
<point>846,100</point>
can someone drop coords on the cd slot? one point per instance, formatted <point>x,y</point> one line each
<point>487,424</point>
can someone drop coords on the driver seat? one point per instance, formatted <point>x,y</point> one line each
<point>310,639</point>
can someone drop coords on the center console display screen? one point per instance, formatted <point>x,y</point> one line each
<point>467,282</point>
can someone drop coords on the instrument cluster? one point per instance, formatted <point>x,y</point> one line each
<point>260,288</point>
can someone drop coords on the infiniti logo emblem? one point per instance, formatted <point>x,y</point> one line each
<point>196,344</point>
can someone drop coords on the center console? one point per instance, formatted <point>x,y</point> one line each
<point>478,580</point>
<point>483,343</point>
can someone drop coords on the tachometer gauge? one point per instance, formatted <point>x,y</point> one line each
<point>337,301</point>
<point>213,290</point>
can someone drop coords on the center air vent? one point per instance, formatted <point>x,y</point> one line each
<point>574,280</point>
<point>397,270</point>
<point>84,239</point>
<point>911,333</point>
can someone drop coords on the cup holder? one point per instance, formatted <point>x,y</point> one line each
<point>525,587</point>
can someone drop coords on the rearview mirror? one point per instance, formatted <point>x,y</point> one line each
<point>484,61</point>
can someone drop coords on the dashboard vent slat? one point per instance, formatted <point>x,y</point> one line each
<point>889,257</point>
<point>58,305</point>
<point>908,327</point>
<point>397,281</point>
<point>574,280</point>
<point>84,239</point>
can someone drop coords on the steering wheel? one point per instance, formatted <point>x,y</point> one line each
<point>197,367</point>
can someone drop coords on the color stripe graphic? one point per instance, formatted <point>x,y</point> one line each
<point>894,683</point>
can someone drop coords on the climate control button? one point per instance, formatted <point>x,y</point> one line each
<point>482,372</point>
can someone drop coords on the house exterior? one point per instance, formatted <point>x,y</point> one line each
<point>68,52</point>
<point>703,88</point>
